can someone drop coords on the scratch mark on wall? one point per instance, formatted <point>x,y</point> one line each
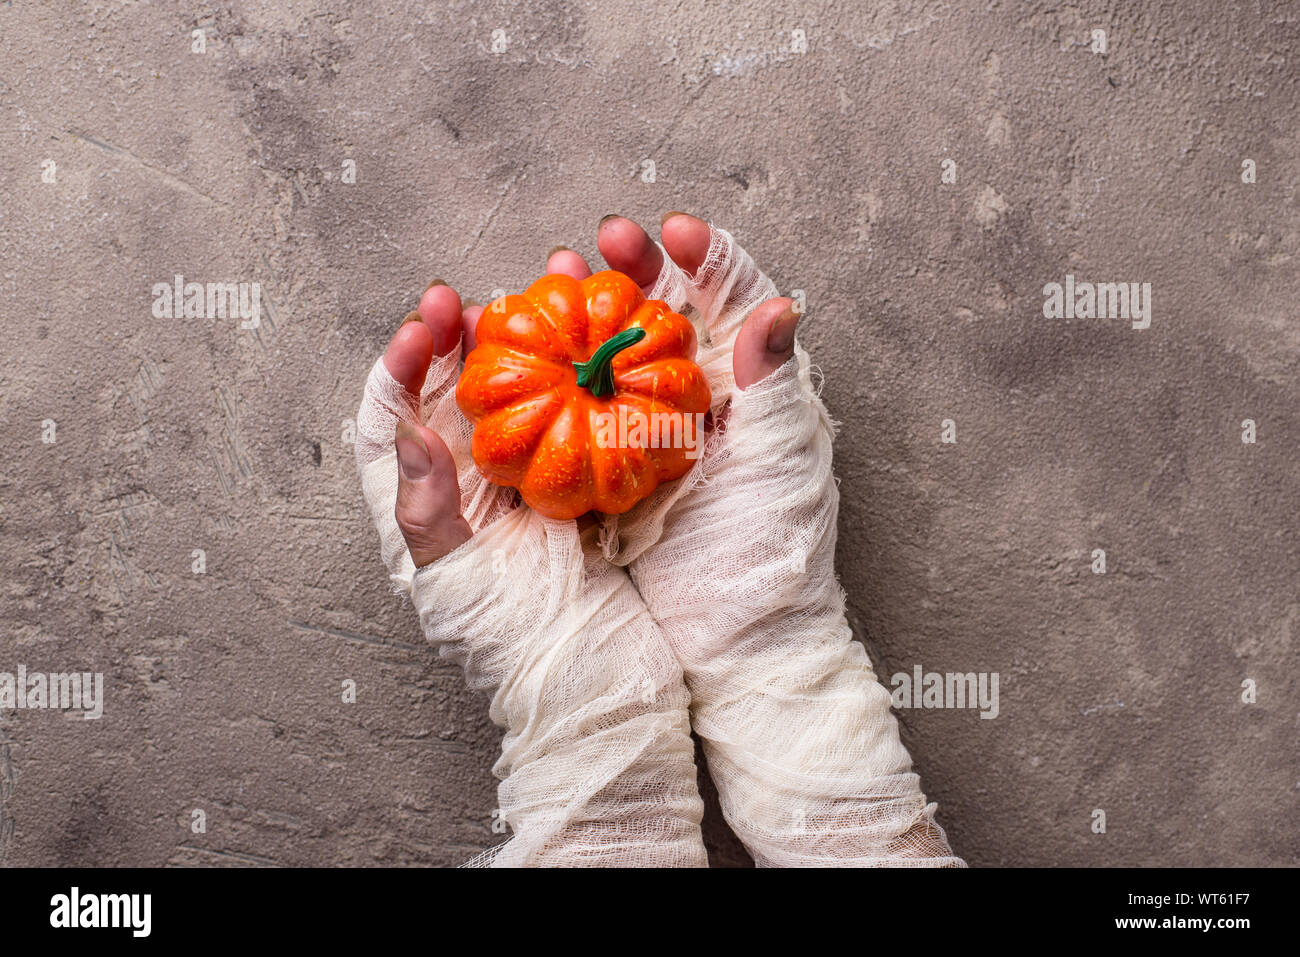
<point>173,181</point>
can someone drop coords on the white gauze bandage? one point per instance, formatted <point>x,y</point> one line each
<point>737,563</point>
<point>597,764</point>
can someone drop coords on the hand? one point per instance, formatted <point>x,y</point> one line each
<point>428,492</point>
<point>597,762</point>
<point>736,562</point>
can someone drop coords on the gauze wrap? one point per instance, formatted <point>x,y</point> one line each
<point>737,563</point>
<point>597,764</point>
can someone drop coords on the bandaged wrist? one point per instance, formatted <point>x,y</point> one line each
<point>737,564</point>
<point>797,731</point>
<point>597,762</point>
<point>597,765</point>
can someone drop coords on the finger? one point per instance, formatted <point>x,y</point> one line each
<point>686,238</point>
<point>428,497</point>
<point>725,284</point>
<point>565,261</point>
<point>440,309</point>
<point>409,353</point>
<point>469,323</point>
<point>765,341</point>
<point>629,249</point>
<point>432,329</point>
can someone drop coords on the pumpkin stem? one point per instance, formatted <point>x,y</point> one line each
<point>596,373</point>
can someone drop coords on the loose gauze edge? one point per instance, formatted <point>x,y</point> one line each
<point>597,764</point>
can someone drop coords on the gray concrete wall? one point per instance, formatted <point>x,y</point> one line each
<point>1120,692</point>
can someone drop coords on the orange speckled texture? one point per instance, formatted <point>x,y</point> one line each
<point>537,430</point>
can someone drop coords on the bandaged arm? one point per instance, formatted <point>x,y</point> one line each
<point>597,763</point>
<point>797,730</point>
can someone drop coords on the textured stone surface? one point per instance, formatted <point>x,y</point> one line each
<point>1118,691</point>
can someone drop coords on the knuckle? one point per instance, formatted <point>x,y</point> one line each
<point>414,521</point>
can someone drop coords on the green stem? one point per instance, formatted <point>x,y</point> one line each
<point>596,373</point>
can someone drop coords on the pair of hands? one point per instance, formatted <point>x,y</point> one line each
<point>428,509</point>
<point>716,593</point>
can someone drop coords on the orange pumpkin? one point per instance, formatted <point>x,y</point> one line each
<point>584,394</point>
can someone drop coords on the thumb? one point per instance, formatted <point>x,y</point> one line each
<point>765,342</point>
<point>428,495</point>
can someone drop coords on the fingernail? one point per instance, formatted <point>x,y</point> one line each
<point>780,334</point>
<point>411,317</point>
<point>466,303</point>
<point>670,214</point>
<point>412,454</point>
<point>557,249</point>
<point>606,218</point>
<point>436,282</point>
